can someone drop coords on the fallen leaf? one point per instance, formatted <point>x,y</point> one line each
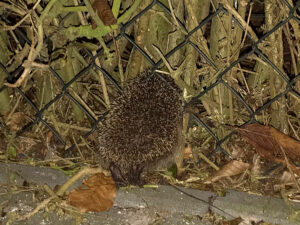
<point>16,121</point>
<point>268,142</point>
<point>104,12</point>
<point>235,221</point>
<point>97,196</point>
<point>286,178</point>
<point>232,168</point>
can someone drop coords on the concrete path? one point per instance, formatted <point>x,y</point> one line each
<point>166,205</point>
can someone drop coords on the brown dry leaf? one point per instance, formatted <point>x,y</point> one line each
<point>16,121</point>
<point>235,221</point>
<point>286,181</point>
<point>268,142</point>
<point>48,138</point>
<point>286,178</point>
<point>237,152</point>
<point>232,168</point>
<point>104,12</point>
<point>25,143</point>
<point>97,197</point>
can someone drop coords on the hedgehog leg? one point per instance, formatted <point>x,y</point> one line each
<point>117,175</point>
<point>125,178</point>
<point>134,175</point>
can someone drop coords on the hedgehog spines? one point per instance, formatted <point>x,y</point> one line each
<point>143,125</point>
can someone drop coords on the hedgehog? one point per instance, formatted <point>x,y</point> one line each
<point>143,129</point>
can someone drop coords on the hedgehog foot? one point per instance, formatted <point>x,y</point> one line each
<point>125,178</point>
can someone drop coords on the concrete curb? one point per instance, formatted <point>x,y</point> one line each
<point>165,205</point>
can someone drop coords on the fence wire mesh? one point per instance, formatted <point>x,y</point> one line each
<point>289,80</point>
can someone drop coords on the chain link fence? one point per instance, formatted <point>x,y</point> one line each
<point>254,50</point>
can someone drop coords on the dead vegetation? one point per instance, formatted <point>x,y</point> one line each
<point>236,67</point>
